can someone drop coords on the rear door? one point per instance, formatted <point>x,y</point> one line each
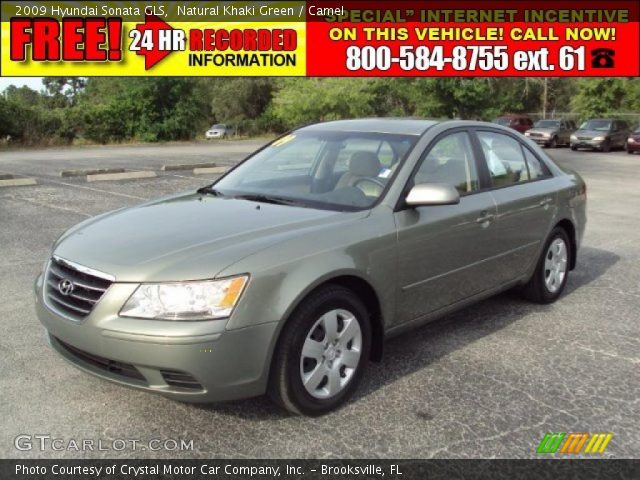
<point>524,192</point>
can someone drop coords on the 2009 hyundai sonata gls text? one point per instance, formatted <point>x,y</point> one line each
<point>287,273</point>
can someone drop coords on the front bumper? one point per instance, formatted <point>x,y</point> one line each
<point>186,361</point>
<point>586,143</point>
<point>545,141</point>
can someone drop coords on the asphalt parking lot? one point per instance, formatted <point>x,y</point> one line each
<point>486,382</point>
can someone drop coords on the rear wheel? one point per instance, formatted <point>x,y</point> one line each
<point>322,352</point>
<point>550,277</point>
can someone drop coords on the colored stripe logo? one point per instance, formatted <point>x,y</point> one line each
<point>573,443</point>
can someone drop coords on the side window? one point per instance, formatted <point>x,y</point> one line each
<point>505,159</point>
<point>450,160</point>
<point>537,169</point>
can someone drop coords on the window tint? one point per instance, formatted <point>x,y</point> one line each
<point>450,160</point>
<point>536,168</point>
<point>505,159</point>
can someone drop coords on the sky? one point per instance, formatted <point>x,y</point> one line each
<point>34,83</point>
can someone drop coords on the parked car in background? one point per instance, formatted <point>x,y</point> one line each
<point>518,122</point>
<point>602,134</point>
<point>220,130</point>
<point>633,142</point>
<point>551,132</point>
<point>288,272</point>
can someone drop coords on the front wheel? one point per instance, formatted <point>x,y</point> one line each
<point>574,148</point>
<point>550,277</point>
<point>553,143</point>
<point>322,352</point>
<point>606,146</point>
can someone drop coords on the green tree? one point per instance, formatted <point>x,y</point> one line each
<point>301,101</point>
<point>597,97</point>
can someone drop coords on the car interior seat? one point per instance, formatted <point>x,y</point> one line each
<point>362,164</point>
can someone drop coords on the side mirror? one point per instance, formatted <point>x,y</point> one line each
<point>432,194</point>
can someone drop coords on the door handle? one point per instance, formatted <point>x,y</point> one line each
<point>485,217</point>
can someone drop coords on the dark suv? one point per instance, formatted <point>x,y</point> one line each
<point>518,122</point>
<point>601,134</point>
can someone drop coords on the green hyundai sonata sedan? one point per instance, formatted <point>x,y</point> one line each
<point>286,275</point>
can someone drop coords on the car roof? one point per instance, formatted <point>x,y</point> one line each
<point>406,126</point>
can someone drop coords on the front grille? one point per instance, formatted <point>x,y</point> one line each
<point>176,378</point>
<point>105,364</point>
<point>535,134</point>
<point>84,293</point>
<point>584,138</point>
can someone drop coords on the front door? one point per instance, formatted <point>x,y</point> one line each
<point>445,252</point>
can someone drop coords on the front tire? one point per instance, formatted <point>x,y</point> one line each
<point>574,148</point>
<point>550,277</point>
<point>322,352</point>
<point>606,146</point>
<point>553,143</point>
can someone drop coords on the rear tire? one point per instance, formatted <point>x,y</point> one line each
<point>552,271</point>
<point>321,354</point>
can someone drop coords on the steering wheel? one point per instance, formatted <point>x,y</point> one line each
<point>375,182</point>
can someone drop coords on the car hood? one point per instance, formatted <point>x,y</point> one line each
<point>186,237</point>
<point>591,133</point>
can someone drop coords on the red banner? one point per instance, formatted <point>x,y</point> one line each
<point>466,38</point>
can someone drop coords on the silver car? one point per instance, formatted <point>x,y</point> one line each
<point>220,130</point>
<point>551,132</point>
<point>287,274</point>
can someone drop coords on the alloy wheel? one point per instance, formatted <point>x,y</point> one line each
<point>555,265</point>
<point>331,353</point>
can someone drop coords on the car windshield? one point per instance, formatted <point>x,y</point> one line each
<point>321,169</point>
<point>218,125</point>
<point>602,125</point>
<point>504,121</point>
<point>547,124</point>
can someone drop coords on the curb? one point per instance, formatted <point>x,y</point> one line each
<point>205,170</point>
<point>187,166</point>
<point>94,171</point>
<point>17,182</point>
<point>103,177</point>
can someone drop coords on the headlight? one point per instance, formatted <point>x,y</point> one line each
<point>185,301</point>
<point>598,139</point>
<point>546,135</point>
<point>527,134</point>
<point>573,137</point>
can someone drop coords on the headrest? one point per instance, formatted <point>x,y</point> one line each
<point>364,164</point>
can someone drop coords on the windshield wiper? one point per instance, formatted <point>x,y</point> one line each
<point>209,190</point>
<point>261,198</point>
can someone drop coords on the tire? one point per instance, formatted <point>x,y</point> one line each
<point>333,370</point>
<point>574,148</point>
<point>538,289</point>
<point>606,146</point>
<point>553,143</point>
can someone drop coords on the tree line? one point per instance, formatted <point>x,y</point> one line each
<point>109,110</point>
